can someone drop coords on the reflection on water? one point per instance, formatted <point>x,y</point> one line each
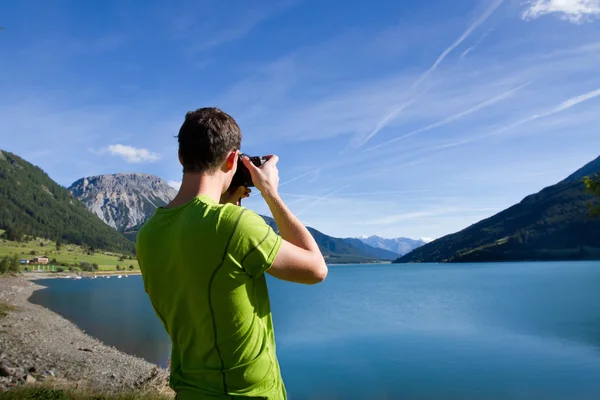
<point>477,331</point>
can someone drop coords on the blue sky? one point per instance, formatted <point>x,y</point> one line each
<point>394,118</point>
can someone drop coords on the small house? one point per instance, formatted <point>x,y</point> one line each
<point>40,260</point>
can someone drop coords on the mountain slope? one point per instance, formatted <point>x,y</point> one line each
<point>400,246</point>
<point>123,201</point>
<point>35,205</point>
<point>553,224</point>
<point>589,169</point>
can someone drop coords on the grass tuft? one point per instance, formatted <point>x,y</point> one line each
<point>5,308</point>
<point>44,393</point>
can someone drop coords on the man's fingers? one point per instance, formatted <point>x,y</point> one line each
<point>271,159</point>
<point>249,164</point>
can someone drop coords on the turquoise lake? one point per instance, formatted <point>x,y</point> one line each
<point>429,331</point>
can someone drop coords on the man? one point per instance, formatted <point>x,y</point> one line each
<point>203,260</point>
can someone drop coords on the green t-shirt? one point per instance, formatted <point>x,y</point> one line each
<point>203,267</point>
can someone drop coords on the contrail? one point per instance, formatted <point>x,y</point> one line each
<point>454,117</point>
<point>477,43</point>
<point>304,196</point>
<point>565,105</point>
<point>385,121</point>
<point>320,199</point>
<point>300,176</point>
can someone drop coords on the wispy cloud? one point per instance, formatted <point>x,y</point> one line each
<point>317,201</point>
<point>313,174</point>
<point>132,154</point>
<point>393,219</point>
<point>222,23</point>
<point>357,194</point>
<point>565,105</point>
<point>385,121</point>
<point>456,116</point>
<point>575,11</point>
<point>477,43</point>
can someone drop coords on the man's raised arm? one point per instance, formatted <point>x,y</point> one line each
<point>299,258</point>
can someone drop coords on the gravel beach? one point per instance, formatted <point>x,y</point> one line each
<point>38,345</point>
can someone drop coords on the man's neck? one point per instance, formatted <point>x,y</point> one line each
<point>194,185</point>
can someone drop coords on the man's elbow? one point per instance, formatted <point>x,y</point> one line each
<point>320,271</point>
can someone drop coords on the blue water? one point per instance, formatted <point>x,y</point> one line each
<point>469,331</point>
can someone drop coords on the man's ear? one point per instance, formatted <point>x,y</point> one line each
<point>232,160</point>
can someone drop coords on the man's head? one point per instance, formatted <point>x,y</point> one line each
<point>209,141</point>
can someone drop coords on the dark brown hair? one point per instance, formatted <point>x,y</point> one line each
<point>206,137</point>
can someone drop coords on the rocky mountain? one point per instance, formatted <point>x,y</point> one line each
<point>553,224</point>
<point>400,246</point>
<point>33,204</point>
<point>125,200</point>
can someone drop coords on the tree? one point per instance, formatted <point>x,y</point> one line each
<point>131,267</point>
<point>14,264</point>
<point>592,183</point>
<point>4,265</point>
<point>122,258</point>
<point>58,244</point>
<point>118,267</point>
<point>86,266</point>
<point>13,234</point>
<point>95,266</point>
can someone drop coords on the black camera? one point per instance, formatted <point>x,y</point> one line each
<point>242,176</point>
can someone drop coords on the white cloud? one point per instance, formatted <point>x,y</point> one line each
<point>132,154</point>
<point>575,11</point>
<point>427,239</point>
<point>174,184</point>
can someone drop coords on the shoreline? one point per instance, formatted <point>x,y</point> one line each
<point>34,275</point>
<point>38,345</point>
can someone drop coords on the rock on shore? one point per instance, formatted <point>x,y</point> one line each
<point>37,345</point>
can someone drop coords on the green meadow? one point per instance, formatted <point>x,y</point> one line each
<point>65,255</point>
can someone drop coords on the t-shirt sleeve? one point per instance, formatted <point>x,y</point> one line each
<point>254,243</point>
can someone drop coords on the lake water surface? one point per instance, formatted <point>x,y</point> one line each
<point>468,331</point>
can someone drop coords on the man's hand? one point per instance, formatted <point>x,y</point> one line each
<point>235,195</point>
<point>265,177</point>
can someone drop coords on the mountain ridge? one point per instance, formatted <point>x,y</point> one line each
<point>400,245</point>
<point>552,224</point>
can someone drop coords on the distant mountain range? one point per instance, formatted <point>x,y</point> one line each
<point>400,246</point>
<point>126,201</point>
<point>33,204</point>
<point>337,250</point>
<point>554,224</point>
